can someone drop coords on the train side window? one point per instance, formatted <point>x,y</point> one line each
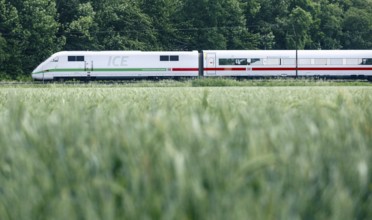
<point>241,62</point>
<point>336,61</point>
<point>272,61</point>
<point>304,61</point>
<point>352,61</point>
<point>256,61</point>
<point>320,61</point>
<point>367,61</point>
<point>164,58</point>
<point>233,62</point>
<point>288,61</point>
<point>174,58</point>
<point>71,58</point>
<point>225,62</point>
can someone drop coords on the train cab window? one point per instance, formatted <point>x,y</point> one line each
<point>233,62</point>
<point>366,61</point>
<point>174,58</point>
<point>75,58</point>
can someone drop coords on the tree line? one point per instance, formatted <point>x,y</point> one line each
<point>32,30</point>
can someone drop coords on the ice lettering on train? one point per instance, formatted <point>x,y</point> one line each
<point>117,61</point>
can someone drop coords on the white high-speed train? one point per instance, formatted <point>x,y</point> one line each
<point>209,63</point>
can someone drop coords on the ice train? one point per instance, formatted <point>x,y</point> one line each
<point>208,63</point>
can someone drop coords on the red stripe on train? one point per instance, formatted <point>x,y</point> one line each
<point>335,68</point>
<point>274,69</point>
<point>313,69</point>
<point>278,69</point>
<point>225,69</point>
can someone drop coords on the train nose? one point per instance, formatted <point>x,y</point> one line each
<point>37,74</point>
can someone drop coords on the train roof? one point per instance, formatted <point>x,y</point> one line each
<point>292,53</point>
<point>237,53</point>
<point>335,53</point>
<point>118,53</point>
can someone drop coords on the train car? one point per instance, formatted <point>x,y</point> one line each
<point>249,63</point>
<point>335,63</point>
<point>301,63</point>
<point>117,65</point>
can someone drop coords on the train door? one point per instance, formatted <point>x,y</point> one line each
<point>210,64</point>
<point>88,66</point>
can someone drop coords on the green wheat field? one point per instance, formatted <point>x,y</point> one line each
<point>183,152</point>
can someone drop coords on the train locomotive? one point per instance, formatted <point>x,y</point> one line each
<point>103,65</point>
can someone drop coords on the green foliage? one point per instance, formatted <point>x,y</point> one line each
<point>103,152</point>
<point>164,15</point>
<point>3,55</point>
<point>327,32</point>
<point>39,28</point>
<point>221,25</point>
<point>123,26</point>
<point>357,26</point>
<point>80,31</point>
<point>300,21</point>
<point>10,40</point>
<point>29,29</point>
